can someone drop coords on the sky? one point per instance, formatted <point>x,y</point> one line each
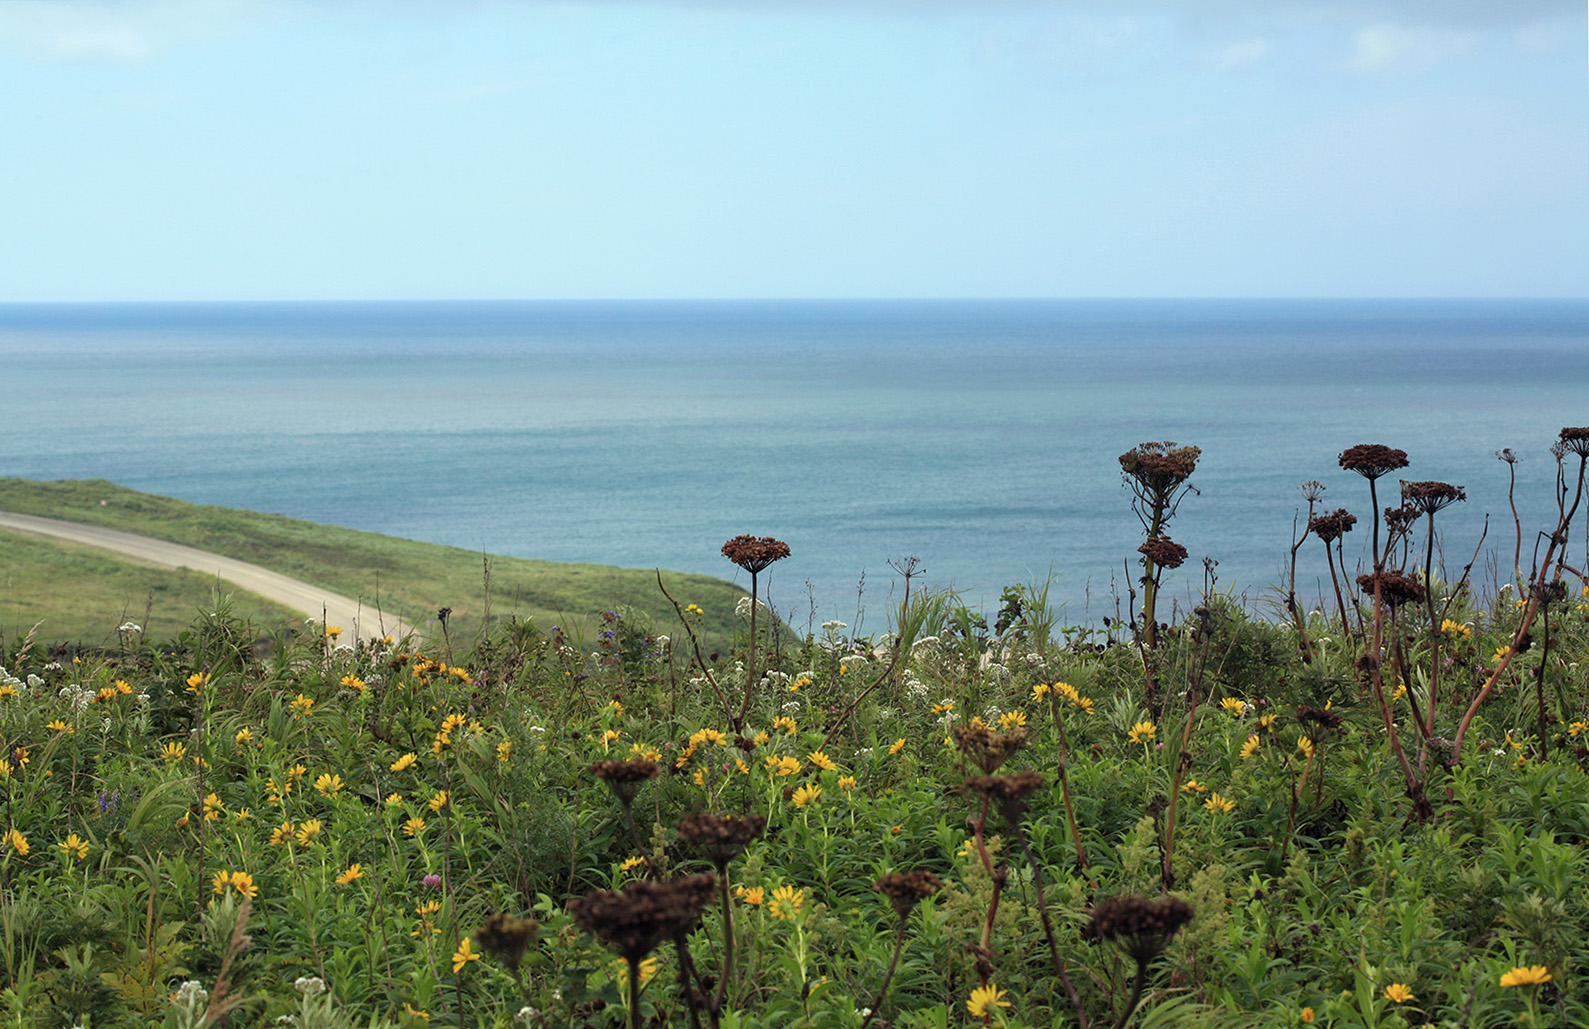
<point>440,149</point>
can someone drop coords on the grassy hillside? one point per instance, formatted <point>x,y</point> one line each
<point>410,579</point>
<point>82,594</point>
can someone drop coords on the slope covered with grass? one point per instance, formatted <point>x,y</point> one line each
<point>410,579</point>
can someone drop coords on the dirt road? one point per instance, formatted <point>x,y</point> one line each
<point>356,620</point>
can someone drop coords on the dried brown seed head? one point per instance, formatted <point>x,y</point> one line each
<point>755,553</point>
<point>1371,460</point>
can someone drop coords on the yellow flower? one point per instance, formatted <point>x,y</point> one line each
<point>328,785</point>
<point>197,681</point>
<point>60,726</point>
<point>806,795</point>
<point>173,752</point>
<point>1215,802</point>
<point>821,760</point>
<point>1399,692</point>
<point>333,631</point>
<point>785,723</point>
<point>648,968</point>
<point>413,827</point>
<point>897,746</point>
<point>243,814</point>
<point>394,799</point>
<point>1526,976</point>
<point>984,998</point>
<point>782,765</point>
<point>1265,721</point>
<point>795,686</point>
<point>307,831</point>
<point>1193,786</point>
<point>16,841</point>
<point>504,749</point>
<point>74,847</point>
<point>404,762</point>
<point>754,895</point>
<point>1250,748</point>
<point>1012,720</point>
<point>1234,705</point>
<point>693,610</point>
<point>409,1009</point>
<point>629,863</point>
<point>1041,690</point>
<point>847,783</point>
<point>438,801</point>
<point>301,706</point>
<point>222,880</point>
<point>786,902</point>
<point>281,834</point>
<point>1142,732</point>
<point>242,882</point>
<point>1305,745</point>
<point>1085,703</point>
<point>8,690</point>
<point>1450,628</point>
<point>213,807</point>
<point>1307,1016</point>
<point>758,739</point>
<point>463,955</point>
<point>1398,993</point>
<point>700,778</point>
<point>1500,655</point>
<point>353,683</point>
<point>354,872</point>
<point>943,708</point>
<point>244,736</point>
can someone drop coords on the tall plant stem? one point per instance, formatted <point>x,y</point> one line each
<point>1048,926</point>
<point>750,660</point>
<point>888,977</point>
<point>728,939</point>
<point>1182,759</point>
<point>1064,783</point>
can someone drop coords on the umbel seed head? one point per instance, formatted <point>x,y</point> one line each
<point>625,777</point>
<point>1575,440</point>
<point>1331,527</point>
<point>1164,552</point>
<point>1429,497</point>
<point>1142,927</point>
<point>1160,466</point>
<point>720,838</point>
<point>755,553</point>
<point>1371,460</point>
<point>907,889</point>
<point>1395,589</point>
<point>506,938</point>
<point>644,914</point>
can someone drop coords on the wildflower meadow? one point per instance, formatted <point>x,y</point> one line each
<point>1367,808</point>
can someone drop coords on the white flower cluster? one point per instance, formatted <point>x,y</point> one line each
<point>77,696</point>
<point>925,643</point>
<point>309,985</point>
<point>914,686</point>
<point>742,608</point>
<point>131,628</point>
<point>997,672</point>
<point>192,995</point>
<point>7,679</point>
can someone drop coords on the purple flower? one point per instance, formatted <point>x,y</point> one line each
<point>433,881</point>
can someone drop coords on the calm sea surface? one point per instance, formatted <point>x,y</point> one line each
<point>979,436</point>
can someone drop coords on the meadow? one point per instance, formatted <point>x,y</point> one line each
<point>1361,809</point>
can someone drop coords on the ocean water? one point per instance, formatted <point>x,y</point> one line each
<point>981,437</point>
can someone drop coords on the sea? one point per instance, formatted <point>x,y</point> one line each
<point>980,437</point>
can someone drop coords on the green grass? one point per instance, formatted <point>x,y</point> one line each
<point>82,593</point>
<point>404,577</point>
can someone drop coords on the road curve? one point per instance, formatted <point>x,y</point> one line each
<point>357,621</point>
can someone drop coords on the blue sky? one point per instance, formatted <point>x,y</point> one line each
<point>323,149</point>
